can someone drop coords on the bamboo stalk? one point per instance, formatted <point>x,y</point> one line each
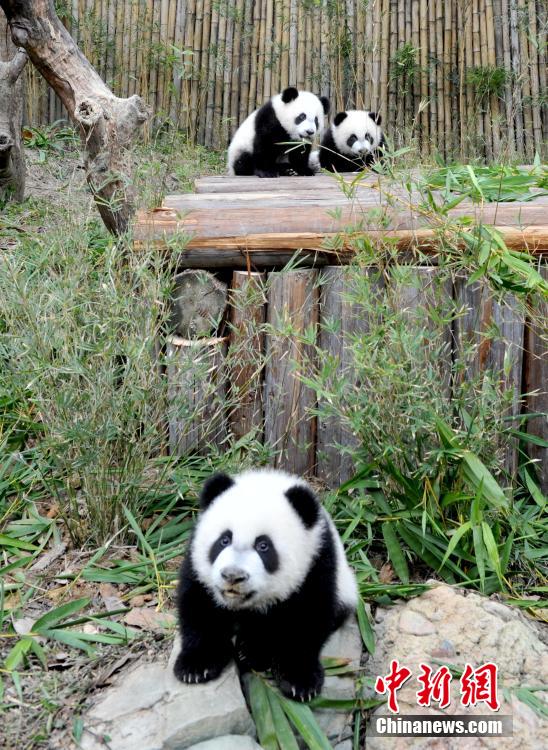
<point>439,75</point>
<point>446,74</point>
<point>213,23</point>
<point>432,75</point>
<point>415,41</point>
<point>227,93</point>
<point>197,61</point>
<point>423,41</point>
<point>253,77</point>
<point>246,62</point>
<point>236,84</point>
<point>393,82</point>
<point>300,47</point>
<point>525,83</point>
<point>517,105</point>
<point>293,44</point>
<point>534,77</point>
<point>384,53</point>
<point>267,91</point>
<point>484,53</point>
<point>542,63</point>
<point>218,78</point>
<point>492,61</point>
<point>261,55</point>
<point>286,25</point>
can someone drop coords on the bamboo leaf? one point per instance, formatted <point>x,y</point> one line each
<point>366,631</point>
<point>57,615</point>
<point>395,553</point>
<point>262,713</point>
<point>305,723</point>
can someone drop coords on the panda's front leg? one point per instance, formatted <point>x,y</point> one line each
<point>206,631</point>
<point>299,673</point>
<point>299,160</point>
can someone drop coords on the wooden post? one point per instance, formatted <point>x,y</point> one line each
<point>497,332</point>
<point>536,386</point>
<point>289,428</point>
<point>340,320</point>
<point>196,394</point>
<point>246,357</point>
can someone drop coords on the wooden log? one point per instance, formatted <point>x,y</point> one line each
<point>106,123</point>
<point>197,304</point>
<point>246,353</point>
<point>340,321</point>
<point>290,430</point>
<point>495,332</point>
<point>419,294</point>
<point>536,386</point>
<point>196,394</point>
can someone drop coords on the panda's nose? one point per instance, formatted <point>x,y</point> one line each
<point>234,575</point>
<point>310,131</point>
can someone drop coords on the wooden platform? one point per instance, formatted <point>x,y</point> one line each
<point>243,222</point>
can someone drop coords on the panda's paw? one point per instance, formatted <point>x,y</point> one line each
<point>302,687</point>
<point>192,670</point>
<point>265,173</point>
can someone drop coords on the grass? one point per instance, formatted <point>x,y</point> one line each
<point>86,487</point>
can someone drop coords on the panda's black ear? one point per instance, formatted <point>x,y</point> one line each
<point>305,504</point>
<point>339,118</point>
<point>289,94</point>
<point>325,104</point>
<point>214,486</point>
<point>375,117</point>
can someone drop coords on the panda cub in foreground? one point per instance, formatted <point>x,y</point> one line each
<point>265,565</point>
<point>264,144</point>
<point>355,140</point>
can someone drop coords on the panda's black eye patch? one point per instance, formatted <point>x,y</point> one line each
<point>267,552</point>
<point>300,118</point>
<point>369,137</point>
<point>351,141</point>
<point>218,546</point>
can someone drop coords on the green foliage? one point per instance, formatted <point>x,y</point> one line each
<point>487,80</point>
<point>488,184</point>
<point>404,66</point>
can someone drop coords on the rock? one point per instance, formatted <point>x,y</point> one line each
<point>149,709</point>
<point>446,625</point>
<point>344,643</point>
<point>228,742</point>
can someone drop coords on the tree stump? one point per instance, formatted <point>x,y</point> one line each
<point>198,304</point>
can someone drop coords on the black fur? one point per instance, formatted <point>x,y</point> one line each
<point>214,486</point>
<point>304,503</point>
<point>334,161</point>
<point>271,144</point>
<point>287,638</point>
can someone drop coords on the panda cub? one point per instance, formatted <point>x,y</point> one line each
<point>261,145</point>
<point>267,567</point>
<point>355,140</point>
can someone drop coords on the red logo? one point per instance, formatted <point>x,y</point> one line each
<point>476,685</point>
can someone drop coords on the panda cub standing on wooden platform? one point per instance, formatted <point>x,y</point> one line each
<point>276,138</point>
<point>354,141</point>
<point>265,565</point>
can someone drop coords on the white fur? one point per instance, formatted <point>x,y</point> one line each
<point>242,141</point>
<point>255,505</point>
<point>306,103</point>
<point>357,122</point>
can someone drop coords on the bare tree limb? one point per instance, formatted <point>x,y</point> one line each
<point>107,124</point>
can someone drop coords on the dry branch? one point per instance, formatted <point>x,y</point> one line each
<point>107,124</point>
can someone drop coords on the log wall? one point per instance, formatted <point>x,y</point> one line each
<point>311,303</point>
<point>458,77</point>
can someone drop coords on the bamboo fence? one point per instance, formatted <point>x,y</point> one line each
<point>454,77</point>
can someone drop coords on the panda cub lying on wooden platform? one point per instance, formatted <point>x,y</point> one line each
<point>276,139</point>
<point>265,565</point>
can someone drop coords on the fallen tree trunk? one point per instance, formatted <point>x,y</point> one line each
<point>12,164</point>
<point>106,123</point>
